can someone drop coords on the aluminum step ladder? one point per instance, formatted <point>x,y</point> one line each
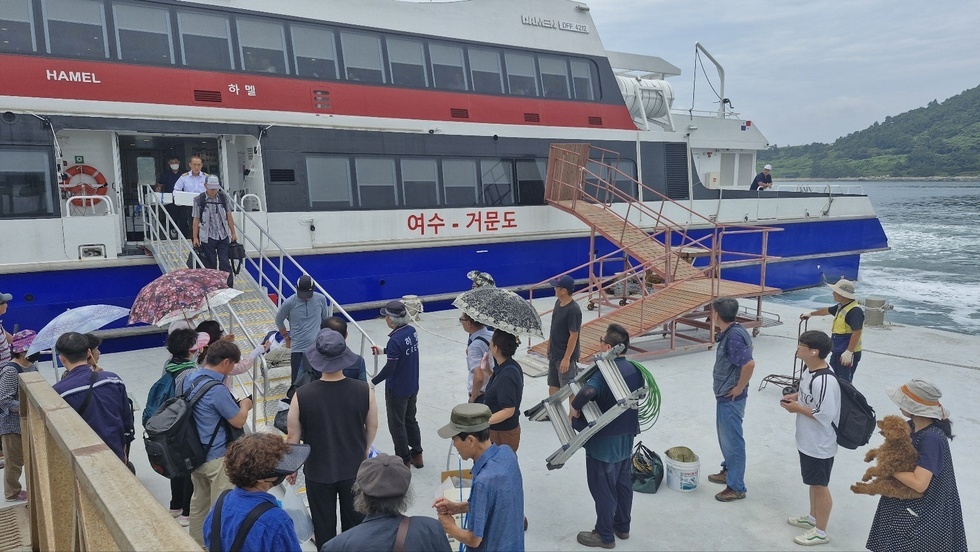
<point>553,407</point>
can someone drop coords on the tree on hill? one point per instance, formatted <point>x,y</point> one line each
<point>940,139</point>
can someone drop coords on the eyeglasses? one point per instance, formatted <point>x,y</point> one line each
<point>602,340</point>
<point>464,320</point>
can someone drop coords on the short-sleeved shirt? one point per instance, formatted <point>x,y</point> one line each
<point>820,392</point>
<point>401,372</point>
<point>733,352</point>
<point>273,530</point>
<point>212,213</point>
<point>854,318</point>
<point>190,183</point>
<point>477,345</point>
<point>564,320</point>
<point>214,408</point>
<point>505,390</point>
<point>496,503</point>
<point>759,179</point>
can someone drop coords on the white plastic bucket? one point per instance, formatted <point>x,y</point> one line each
<point>682,476</point>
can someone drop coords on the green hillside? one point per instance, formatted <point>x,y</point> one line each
<point>941,139</point>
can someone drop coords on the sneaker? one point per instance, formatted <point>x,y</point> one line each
<point>811,538</point>
<point>184,521</point>
<point>721,477</point>
<point>18,497</point>
<point>803,521</point>
<point>728,495</point>
<point>175,513</point>
<point>591,538</point>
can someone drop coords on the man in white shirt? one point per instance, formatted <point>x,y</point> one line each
<point>477,347</point>
<point>192,181</point>
<point>817,408</point>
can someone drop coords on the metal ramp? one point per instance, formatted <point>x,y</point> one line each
<point>655,248</point>
<point>553,408</point>
<point>251,315</point>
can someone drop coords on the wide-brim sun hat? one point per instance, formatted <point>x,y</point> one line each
<point>844,288</point>
<point>919,398</point>
<point>330,353</point>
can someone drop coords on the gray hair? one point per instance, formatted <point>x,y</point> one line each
<point>399,321</point>
<point>726,308</point>
<point>369,505</point>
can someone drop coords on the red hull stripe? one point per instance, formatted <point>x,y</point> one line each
<point>45,77</point>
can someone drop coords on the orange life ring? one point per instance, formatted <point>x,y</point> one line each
<point>80,183</point>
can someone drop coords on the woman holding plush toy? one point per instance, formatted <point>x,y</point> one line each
<point>935,521</point>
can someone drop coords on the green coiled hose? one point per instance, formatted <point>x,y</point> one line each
<point>649,410</point>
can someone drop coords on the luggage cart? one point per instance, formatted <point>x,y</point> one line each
<point>792,380</point>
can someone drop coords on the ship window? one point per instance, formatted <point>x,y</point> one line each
<point>420,183</point>
<point>25,184</point>
<point>554,77</point>
<point>485,71</point>
<point>376,182</point>
<point>582,80</point>
<point>328,179</point>
<point>263,46</point>
<point>498,182</point>
<point>447,67</point>
<point>459,182</point>
<point>205,40</point>
<point>530,181</point>
<point>407,62</point>
<point>75,28</point>
<point>622,182</point>
<point>362,57</point>
<point>143,34</point>
<point>315,51</point>
<point>520,74</point>
<point>17,26</point>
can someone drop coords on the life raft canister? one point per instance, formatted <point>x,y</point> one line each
<point>80,183</point>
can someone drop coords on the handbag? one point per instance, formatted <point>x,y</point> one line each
<point>190,258</point>
<point>236,252</point>
<point>646,469</point>
<point>293,505</point>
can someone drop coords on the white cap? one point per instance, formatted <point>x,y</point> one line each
<point>213,183</point>
<point>767,168</point>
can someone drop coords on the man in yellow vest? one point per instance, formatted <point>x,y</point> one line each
<point>846,331</point>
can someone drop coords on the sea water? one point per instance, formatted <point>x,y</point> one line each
<point>931,275</point>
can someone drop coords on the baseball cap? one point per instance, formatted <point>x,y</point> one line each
<point>304,287</point>
<point>565,281</point>
<point>466,418</point>
<point>767,168</point>
<point>6,297</point>
<point>213,183</point>
<point>384,476</point>
<point>394,308</point>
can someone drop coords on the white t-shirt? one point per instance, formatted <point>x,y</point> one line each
<point>477,345</point>
<point>816,437</point>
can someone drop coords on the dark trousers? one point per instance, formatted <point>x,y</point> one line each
<point>612,492</point>
<point>405,434</point>
<point>297,363</point>
<point>182,216</point>
<point>845,372</point>
<point>181,489</point>
<point>214,254</point>
<point>323,508</point>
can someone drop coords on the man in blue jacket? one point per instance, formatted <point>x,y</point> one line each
<point>402,389</point>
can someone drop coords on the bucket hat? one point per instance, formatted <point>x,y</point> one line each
<point>919,398</point>
<point>466,418</point>
<point>844,288</point>
<point>329,353</point>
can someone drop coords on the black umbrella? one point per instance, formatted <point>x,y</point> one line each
<point>501,309</point>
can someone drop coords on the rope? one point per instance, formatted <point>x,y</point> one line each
<point>649,409</point>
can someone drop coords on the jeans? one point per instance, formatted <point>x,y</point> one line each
<point>405,433</point>
<point>844,372</point>
<point>323,508</point>
<point>214,254</point>
<point>297,362</point>
<point>728,421</point>
<point>612,491</point>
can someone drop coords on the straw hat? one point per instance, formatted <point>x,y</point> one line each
<point>919,398</point>
<point>844,288</point>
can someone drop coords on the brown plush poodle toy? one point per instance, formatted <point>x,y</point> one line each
<point>896,454</point>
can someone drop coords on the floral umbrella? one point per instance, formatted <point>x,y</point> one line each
<point>502,309</point>
<point>181,294</point>
<point>82,320</point>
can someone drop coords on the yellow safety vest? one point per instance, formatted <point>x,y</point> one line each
<point>840,327</point>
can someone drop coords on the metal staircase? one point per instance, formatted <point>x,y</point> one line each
<point>251,315</point>
<point>657,252</point>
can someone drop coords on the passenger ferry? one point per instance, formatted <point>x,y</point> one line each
<point>389,146</point>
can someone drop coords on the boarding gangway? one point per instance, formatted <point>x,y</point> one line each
<point>655,245</point>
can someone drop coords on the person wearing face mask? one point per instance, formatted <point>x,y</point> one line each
<point>255,464</point>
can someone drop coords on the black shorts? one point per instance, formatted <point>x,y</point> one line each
<point>816,471</point>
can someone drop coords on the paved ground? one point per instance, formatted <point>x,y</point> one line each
<point>558,503</point>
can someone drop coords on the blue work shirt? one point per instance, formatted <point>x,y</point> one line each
<point>273,530</point>
<point>216,405</point>
<point>496,503</point>
<point>402,369</point>
<point>378,532</point>
<point>734,350</point>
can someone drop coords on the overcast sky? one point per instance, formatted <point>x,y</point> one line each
<point>806,71</point>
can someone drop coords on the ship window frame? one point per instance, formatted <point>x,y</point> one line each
<point>51,7</point>
<point>485,74</point>
<point>117,27</point>
<point>511,74</point>
<point>404,182</point>
<point>357,53</point>
<point>297,56</point>
<point>447,182</point>
<point>24,19</point>
<point>529,189</point>
<point>197,16</point>
<point>627,186</point>
<point>396,53</point>
<point>365,166</point>
<point>565,92</point>
<point>437,79</point>
<point>275,56</point>
<point>331,196</point>
<point>592,79</point>
<point>50,200</point>
<point>494,193</point>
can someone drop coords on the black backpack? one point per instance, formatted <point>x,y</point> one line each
<point>173,444</point>
<point>857,418</point>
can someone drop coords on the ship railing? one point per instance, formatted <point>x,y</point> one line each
<point>829,189</point>
<point>72,207</point>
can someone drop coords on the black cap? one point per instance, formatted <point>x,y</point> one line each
<point>394,308</point>
<point>304,287</point>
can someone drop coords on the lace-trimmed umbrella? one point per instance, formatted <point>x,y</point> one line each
<point>82,320</point>
<point>502,309</point>
<point>181,294</point>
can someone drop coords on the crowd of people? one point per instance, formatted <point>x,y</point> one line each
<point>333,420</point>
